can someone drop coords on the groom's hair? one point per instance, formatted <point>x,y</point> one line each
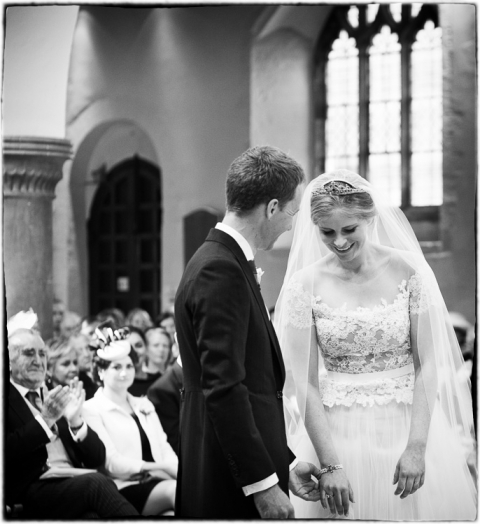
<point>259,175</point>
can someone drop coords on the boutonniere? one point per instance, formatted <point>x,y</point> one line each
<point>259,274</point>
<point>145,406</point>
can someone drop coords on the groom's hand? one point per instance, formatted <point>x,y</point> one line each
<point>301,483</point>
<point>273,503</point>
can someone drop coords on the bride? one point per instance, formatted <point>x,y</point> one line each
<point>372,394</point>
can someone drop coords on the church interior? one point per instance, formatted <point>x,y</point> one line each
<point>119,125</point>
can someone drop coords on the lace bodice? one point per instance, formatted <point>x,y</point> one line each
<point>373,341</point>
<point>364,340</point>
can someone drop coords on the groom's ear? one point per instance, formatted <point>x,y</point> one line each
<point>272,208</point>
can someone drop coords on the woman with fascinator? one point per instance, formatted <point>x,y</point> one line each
<point>372,393</point>
<point>139,458</point>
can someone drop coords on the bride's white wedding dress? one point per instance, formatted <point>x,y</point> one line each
<point>366,382</point>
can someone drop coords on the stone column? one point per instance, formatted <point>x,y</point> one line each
<point>32,167</point>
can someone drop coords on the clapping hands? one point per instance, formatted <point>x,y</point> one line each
<point>55,403</point>
<point>73,409</point>
<point>66,401</point>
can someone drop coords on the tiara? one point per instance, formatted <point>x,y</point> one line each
<point>337,187</point>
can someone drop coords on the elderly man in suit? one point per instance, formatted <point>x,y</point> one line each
<point>234,459</point>
<point>48,444</point>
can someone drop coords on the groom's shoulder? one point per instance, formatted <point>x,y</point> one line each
<point>211,254</point>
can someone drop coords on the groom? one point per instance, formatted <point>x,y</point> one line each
<point>234,459</point>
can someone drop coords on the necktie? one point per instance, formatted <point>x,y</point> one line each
<point>34,398</point>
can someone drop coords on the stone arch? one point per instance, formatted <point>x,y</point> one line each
<point>95,155</point>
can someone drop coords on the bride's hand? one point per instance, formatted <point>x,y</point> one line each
<point>410,470</point>
<point>336,492</point>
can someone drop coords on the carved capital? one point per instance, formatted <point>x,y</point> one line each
<point>32,166</point>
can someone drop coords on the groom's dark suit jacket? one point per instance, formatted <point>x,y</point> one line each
<point>26,453</point>
<point>232,431</point>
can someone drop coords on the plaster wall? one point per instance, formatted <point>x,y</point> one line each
<point>182,76</point>
<point>38,40</point>
<point>280,116</point>
<point>455,266</point>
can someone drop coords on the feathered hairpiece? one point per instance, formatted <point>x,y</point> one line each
<point>112,344</point>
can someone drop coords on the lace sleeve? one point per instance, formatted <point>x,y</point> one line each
<point>298,306</point>
<point>420,299</point>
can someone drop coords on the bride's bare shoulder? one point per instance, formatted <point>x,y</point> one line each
<point>314,272</point>
<point>402,262</point>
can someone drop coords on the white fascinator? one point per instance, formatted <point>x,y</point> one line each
<point>112,343</point>
<point>22,320</point>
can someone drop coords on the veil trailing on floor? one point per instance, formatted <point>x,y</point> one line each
<point>437,354</point>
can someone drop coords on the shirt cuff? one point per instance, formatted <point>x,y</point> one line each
<point>81,433</point>
<point>48,431</point>
<point>261,485</point>
<point>293,464</point>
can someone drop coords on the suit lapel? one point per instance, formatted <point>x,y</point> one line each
<point>18,404</point>
<point>216,235</point>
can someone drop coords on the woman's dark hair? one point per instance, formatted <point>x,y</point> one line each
<point>134,329</point>
<point>163,316</point>
<point>113,314</point>
<point>100,363</point>
<point>259,175</point>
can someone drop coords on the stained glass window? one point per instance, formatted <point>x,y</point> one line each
<point>384,115</point>
<point>426,117</point>
<point>342,100</point>
<point>396,10</point>
<point>379,105</point>
<point>372,10</point>
<point>353,16</point>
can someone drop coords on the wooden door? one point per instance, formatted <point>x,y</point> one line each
<point>124,238</point>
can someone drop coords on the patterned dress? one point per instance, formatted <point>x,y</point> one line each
<point>367,380</point>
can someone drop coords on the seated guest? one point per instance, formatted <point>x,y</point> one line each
<point>48,441</point>
<point>88,325</point>
<point>70,324</point>
<point>137,340</point>
<point>57,316</point>
<point>139,458</point>
<point>158,355</point>
<point>112,315</point>
<point>81,344</point>
<point>139,318</point>
<point>62,364</point>
<point>164,394</point>
<point>167,321</point>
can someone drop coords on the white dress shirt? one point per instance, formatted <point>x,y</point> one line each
<point>248,252</point>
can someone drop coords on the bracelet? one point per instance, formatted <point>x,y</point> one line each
<point>76,428</point>
<point>330,468</point>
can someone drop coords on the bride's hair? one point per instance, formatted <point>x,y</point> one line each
<point>323,202</point>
